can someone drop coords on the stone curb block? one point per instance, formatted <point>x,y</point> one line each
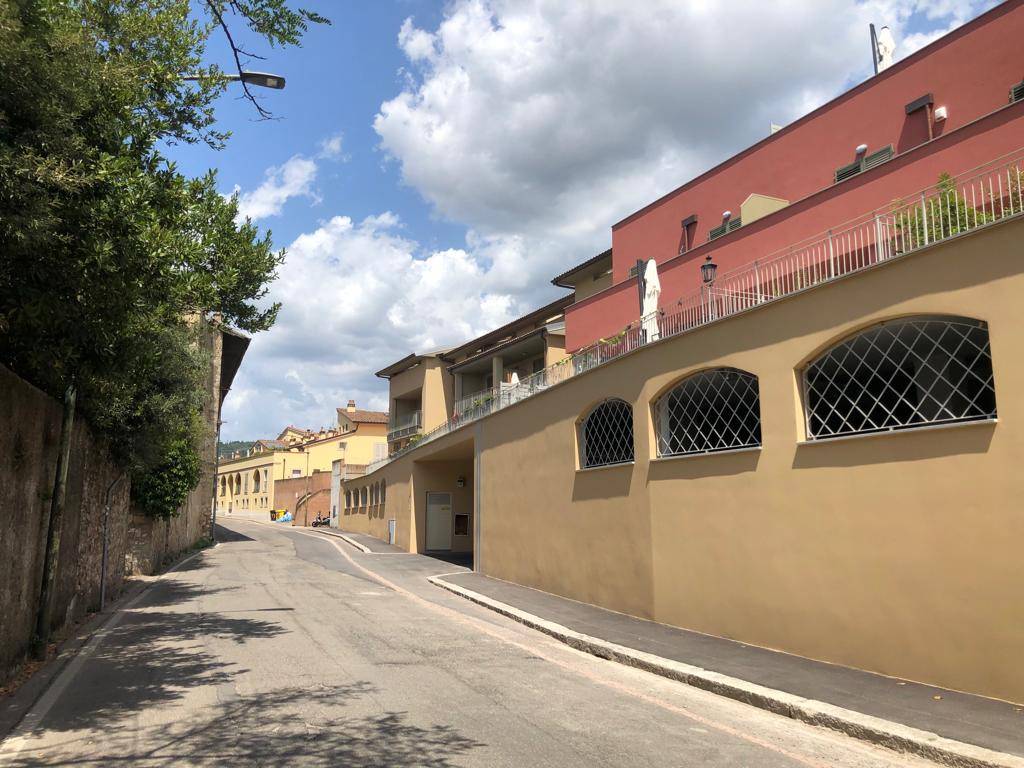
<point>895,736</point>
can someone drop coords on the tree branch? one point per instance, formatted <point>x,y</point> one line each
<point>235,51</point>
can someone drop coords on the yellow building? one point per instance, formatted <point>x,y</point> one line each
<point>245,483</point>
<point>427,389</point>
<point>845,503</point>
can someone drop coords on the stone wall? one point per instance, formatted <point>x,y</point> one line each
<point>30,423</point>
<point>152,543</point>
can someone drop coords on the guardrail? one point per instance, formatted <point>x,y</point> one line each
<point>409,425</point>
<point>988,194</point>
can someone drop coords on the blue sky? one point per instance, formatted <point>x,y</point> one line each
<point>434,164</point>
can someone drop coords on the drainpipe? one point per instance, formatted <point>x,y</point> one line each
<point>106,539</point>
<point>60,482</point>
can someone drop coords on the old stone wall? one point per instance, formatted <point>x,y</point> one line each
<point>30,424</point>
<point>151,543</point>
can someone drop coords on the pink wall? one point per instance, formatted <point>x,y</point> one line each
<point>969,71</point>
<point>998,134</point>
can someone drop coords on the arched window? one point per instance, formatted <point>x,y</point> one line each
<point>899,374</point>
<point>383,491</point>
<point>363,496</point>
<point>223,485</point>
<point>256,481</point>
<point>606,434</point>
<point>348,499</point>
<point>238,484</point>
<point>715,410</point>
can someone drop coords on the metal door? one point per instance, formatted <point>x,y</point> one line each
<point>391,531</point>
<point>439,521</point>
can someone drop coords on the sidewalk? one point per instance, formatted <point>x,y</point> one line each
<point>971,720</point>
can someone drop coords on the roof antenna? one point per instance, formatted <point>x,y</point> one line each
<point>883,46</point>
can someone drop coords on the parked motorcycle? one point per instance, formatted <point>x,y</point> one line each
<point>321,521</point>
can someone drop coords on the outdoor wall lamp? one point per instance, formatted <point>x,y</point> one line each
<point>726,215</point>
<point>861,149</point>
<point>708,270</point>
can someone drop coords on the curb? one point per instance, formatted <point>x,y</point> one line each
<point>348,540</point>
<point>895,736</point>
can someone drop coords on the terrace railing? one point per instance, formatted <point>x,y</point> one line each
<point>406,425</point>
<point>989,194</point>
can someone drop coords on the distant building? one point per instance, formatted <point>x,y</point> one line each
<point>247,484</point>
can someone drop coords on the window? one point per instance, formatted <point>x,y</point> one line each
<point>865,163</point>
<point>606,434</point>
<point>348,499</point>
<point>245,484</point>
<point>383,490</point>
<point>461,525</point>
<point>256,481</point>
<point>296,473</point>
<point>363,496</point>
<point>716,410</point>
<point>264,478</point>
<point>904,373</point>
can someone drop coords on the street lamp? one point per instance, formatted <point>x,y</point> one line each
<point>707,277</point>
<point>262,79</point>
<point>708,270</point>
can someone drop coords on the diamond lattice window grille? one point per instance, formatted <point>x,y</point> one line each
<point>606,435</point>
<point>902,374</point>
<point>716,410</point>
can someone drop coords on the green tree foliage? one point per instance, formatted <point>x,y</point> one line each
<point>108,255</point>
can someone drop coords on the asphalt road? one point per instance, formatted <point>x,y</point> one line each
<point>284,647</point>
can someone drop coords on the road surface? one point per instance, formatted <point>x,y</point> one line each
<point>288,647</point>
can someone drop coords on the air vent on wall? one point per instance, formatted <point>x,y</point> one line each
<point>865,163</point>
<point>1017,92</point>
<point>725,227</point>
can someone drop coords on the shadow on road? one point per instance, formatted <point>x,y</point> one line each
<point>293,726</point>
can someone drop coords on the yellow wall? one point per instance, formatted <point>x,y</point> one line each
<point>248,502</point>
<point>554,349</point>
<point>758,206</point>
<point>898,553</point>
<point>359,447</point>
<point>437,388</point>
<point>589,285</point>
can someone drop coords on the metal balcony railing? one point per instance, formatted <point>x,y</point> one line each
<point>981,197</point>
<point>409,424</point>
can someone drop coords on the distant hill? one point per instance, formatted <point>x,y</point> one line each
<point>225,449</point>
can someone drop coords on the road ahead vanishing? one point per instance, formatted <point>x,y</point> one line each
<point>289,647</point>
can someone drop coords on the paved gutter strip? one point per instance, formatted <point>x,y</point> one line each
<point>886,733</point>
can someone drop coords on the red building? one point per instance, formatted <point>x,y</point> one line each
<point>951,107</point>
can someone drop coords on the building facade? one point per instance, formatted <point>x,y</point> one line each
<point>813,445</point>
<point>247,484</point>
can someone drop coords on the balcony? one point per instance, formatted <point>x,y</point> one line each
<point>954,206</point>
<point>405,425</point>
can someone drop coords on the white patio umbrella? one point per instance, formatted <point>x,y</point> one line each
<point>649,307</point>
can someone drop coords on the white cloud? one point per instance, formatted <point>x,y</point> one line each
<point>536,124</point>
<point>357,296</point>
<point>547,119</point>
<point>331,147</point>
<point>295,178</point>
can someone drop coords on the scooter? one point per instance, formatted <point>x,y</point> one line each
<point>321,521</point>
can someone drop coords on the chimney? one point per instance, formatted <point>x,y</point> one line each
<point>351,408</point>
